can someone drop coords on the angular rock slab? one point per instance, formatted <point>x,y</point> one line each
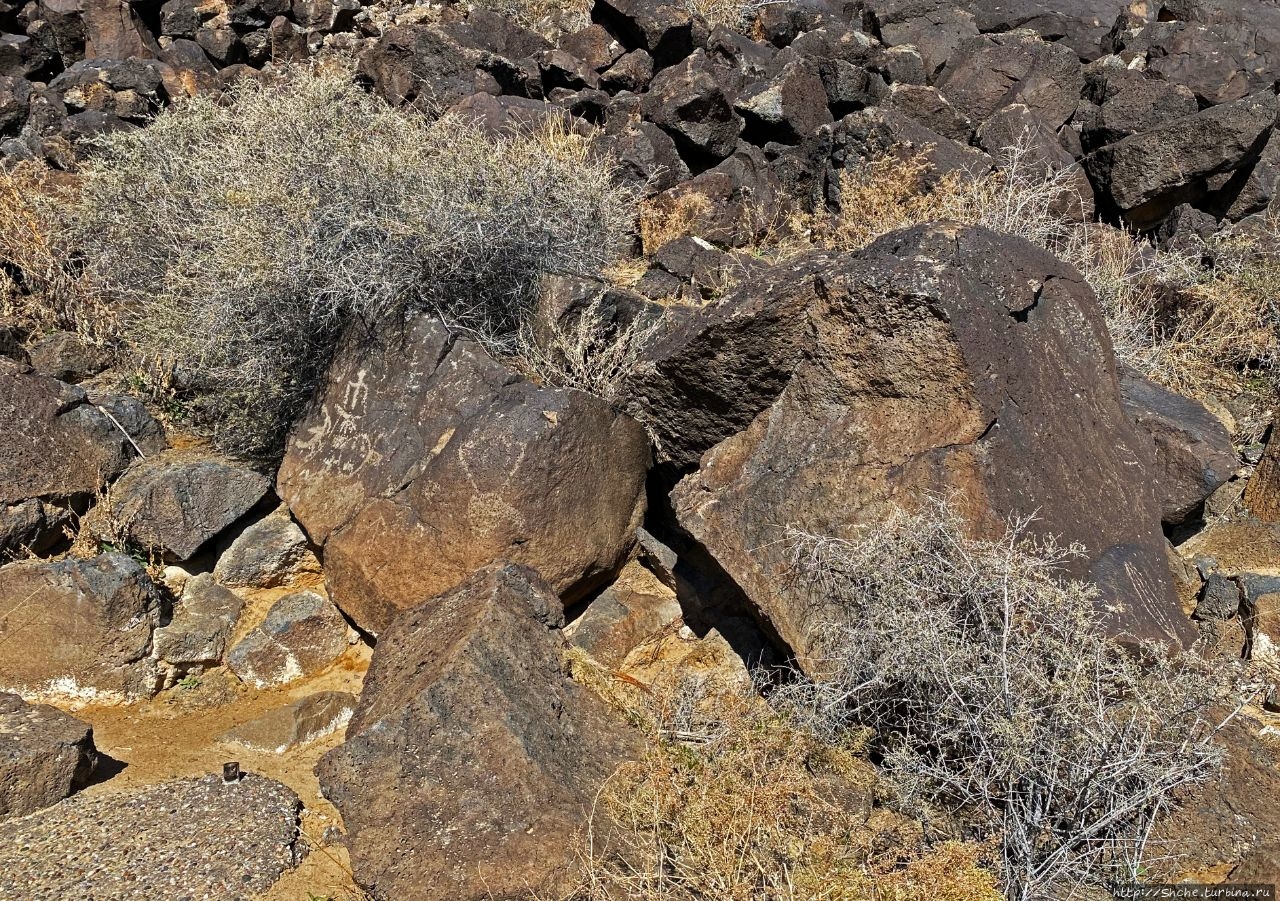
<point>178,506</point>
<point>1194,456</point>
<point>302,634</point>
<point>55,443</point>
<point>472,761</point>
<point>273,551</point>
<point>945,361</point>
<point>45,755</point>
<point>191,838</point>
<point>426,459</point>
<point>81,628</point>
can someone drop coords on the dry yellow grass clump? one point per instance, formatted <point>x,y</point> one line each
<point>732,800</point>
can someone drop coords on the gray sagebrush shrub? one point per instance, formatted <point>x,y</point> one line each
<point>996,696</point>
<point>240,235</point>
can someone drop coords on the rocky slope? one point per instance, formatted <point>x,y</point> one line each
<point>464,533</point>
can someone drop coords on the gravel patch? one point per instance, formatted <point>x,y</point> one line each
<point>188,840</point>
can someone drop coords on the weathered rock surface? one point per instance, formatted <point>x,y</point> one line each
<point>81,628</point>
<point>634,608</point>
<point>176,506</point>
<point>273,551</point>
<point>55,443</point>
<point>1148,174</point>
<point>45,755</point>
<point>426,459</point>
<point>287,727</point>
<point>1194,456</point>
<point>302,634</point>
<point>707,375</point>
<point>197,634</point>
<point>943,360</point>
<point>193,838</point>
<point>472,761</point>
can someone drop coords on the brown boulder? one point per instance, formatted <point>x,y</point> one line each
<point>944,360</point>
<point>79,628</point>
<point>55,441</point>
<point>1194,456</point>
<point>990,71</point>
<point>426,459</point>
<point>45,755</point>
<point>472,761</point>
<point>302,634</point>
<point>176,506</point>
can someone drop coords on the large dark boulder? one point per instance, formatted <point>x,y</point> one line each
<point>1081,25</point>
<point>665,31</point>
<point>45,755</point>
<point>994,70</point>
<point>58,442</point>
<point>943,361</point>
<point>426,459</point>
<point>1194,456</point>
<point>175,506</point>
<point>1146,175</point>
<point>934,27</point>
<point>79,628</point>
<point>689,103</point>
<point>1123,102</point>
<point>472,762</point>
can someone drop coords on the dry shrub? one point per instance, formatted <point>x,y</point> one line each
<point>244,234</point>
<point>889,192</point>
<point>590,352</point>
<point>996,696</point>
<point>547,17</point>
<point>38,287</point>
<point>733,800</point>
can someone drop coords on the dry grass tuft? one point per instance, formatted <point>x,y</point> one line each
<point>38,287</point>
<point>664,219</point>
<point>733,800</point>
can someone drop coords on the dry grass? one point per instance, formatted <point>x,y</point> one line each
<point>664,218</point>
<point>733,800</point>
<point>38,287</point>
<point>589,353</point>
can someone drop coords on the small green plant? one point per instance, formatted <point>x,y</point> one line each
<point>189,682</point>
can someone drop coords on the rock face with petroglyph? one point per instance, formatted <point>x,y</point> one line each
<point>947,361</point>
<point>426,459</point>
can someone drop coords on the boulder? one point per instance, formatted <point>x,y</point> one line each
<point>113,29</point>
<point>787,108</point>
<point>285,728</point>
<point>1079,24</point>
<point>1262,492</point>
<point>944,361</point>
<point>1148,174</point>
<point>426,459</point>
<point>1125,102</point>
<point>45,756</point>
<point>197,635</point>
<point>666,32</point>
<point>928,107</point>
<point>936,29</point>
<point>78,628</point>
<point>302,634</point>
<point>688,102</point>
<point>1228,824</point>
<point>1194,456</point>
<point>472,762</point>
<point>422,65</point>
<point>67,357</point>
<point>188,838</point>
<point>57,444</point>
<point>706,376</point>
<point>271,552</point>
<point>176,506</point>
<point>994,70</point>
